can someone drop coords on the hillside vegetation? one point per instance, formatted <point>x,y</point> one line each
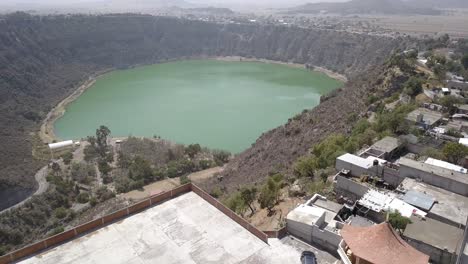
<point>43,59</point>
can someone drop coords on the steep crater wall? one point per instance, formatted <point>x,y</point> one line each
<point>43,59</point>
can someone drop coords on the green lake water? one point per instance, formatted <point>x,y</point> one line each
<point>221,105</point>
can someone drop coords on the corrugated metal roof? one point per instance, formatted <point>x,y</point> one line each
<point>419,199</point>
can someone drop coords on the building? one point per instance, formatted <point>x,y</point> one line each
<point>386,148</point>
<point>357,166</point>
<point>447,179</point>
<point>436,239</point>
<point>440,204</point>
<point>463,109</point>
<point>375,205</point>
<point>184,225</point>
<point>316,222</point>
<point>377,244</point>
<point>424,118</point>
<point>446,165</point>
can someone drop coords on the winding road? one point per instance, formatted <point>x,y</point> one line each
<point>41,178</point>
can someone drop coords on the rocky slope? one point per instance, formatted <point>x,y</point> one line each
<point>43,59</point>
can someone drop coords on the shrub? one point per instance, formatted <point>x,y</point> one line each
<point>216,192</point>
<point>104,194</point>
<point>82,198</point>
<point>454,152</point>
<point>305,167</point>
<point>206,164</point>
<point>67,157</point>
<point>57,230</point>
<point>192,150</point>
<point>93,201</point>
<point>60,213</point>
<point>413,86</point>
<point>236,203</point>
<point>184,180</point>
<point>221,157</point>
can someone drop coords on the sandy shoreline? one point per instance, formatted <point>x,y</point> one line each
<point>47,133</point>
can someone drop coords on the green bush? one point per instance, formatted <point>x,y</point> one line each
<point>221,157</point>
<point>82,198</point>
<point>413,86</point>
<point>67,157</point>
<point>60,213</point>
<point>398,222</point>
<point>184,180</point>
<point>305,167</point>
<point>216,192</point>
<point>192,150</point>
<point>57,230</point>
<point>93,201</point>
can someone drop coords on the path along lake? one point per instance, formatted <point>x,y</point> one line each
<point>218,104</point>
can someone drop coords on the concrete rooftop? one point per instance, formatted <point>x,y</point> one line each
<point>429,117</point>
<point>432,169</point>
<point>387,144</point>
<point>434,233</point>
<point>186,229</point>
<point>451,206</point>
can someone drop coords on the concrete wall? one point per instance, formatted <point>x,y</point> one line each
<point>437,256</point>
<point>392,176</point>
<point>327,239</point>
<point>349,188</point>
<point>435,180</point>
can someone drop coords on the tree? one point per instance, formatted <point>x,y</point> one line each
<point>192,150</point>
<point>450,102</point>
<point>56,168</point>
<point>413,86</point>
<point>440,72</point>
<point>104,167</point>
<point>464,61</point>
<point>270,192</point>
<point>67,157</point>
<point>90,153</point>
<point>398,222</point>
<point>305,167</point>
<point>140,169</point>
<point>236,203</point>
<point>248,195</point>
<point>221,157</point>
<point>101,139</point>
<point>454,152</point>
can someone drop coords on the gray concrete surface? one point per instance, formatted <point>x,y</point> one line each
<point>186,229</point>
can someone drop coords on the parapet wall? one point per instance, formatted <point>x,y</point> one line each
<point>124,213</point>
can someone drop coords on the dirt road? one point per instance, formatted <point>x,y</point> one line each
<point>168,184</point>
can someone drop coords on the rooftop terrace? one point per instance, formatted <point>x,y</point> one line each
<point>186,229</point>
